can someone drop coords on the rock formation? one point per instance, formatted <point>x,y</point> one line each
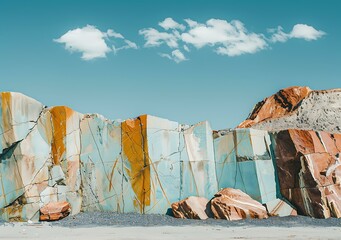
<point>54,211</point>
<point>298,108</point>
<point>192,208</point>
<point>138,165</point>
<point>244,161</point>
<point>309,171</point>
<point>50,155</point>
<point>232,204</point>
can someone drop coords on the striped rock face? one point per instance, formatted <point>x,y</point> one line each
<point>51,155</point>
<point>309,171</point>
<point>143,165</point>
<point>232,204</point>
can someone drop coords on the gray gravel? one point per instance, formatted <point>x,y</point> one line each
<point>134,220</point>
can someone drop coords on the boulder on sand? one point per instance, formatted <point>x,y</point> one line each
<point>192,208</point>
<point>232,204</point>
<point>55,211</point>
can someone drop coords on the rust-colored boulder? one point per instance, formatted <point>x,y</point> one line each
<point>192,208</point>
<point>280,104</point>
<point>309,171</point>
<point>233,204</point>
<point>54,211</point>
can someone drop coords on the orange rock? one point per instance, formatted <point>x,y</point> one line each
<point>309,171</point>
<point>280,104</point>
<point>54,211</point>
<point>192,208</point>
<point>233,204</point>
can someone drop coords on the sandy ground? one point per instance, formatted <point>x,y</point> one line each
<point>48,231</point>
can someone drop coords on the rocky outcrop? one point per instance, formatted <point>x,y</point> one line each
<point>54,211</point>
<point>309,171</point>
<point>281,104</point>
<point>233,204</point>
<point>50,155</point>
<point>192,208</point>
<point>298,108</point>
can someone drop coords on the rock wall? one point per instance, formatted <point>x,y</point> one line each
<point>139,165</point>
<point>89,163</point>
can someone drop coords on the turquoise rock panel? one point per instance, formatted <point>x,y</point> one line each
<point>244,161</point>
<point>101,170</point>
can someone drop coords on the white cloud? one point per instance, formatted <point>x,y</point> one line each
<point>169,23</point>
<point>306,32</point>
<point>112,33</point>
<point>301,31</point>
<point>129,44</point>
<point>186,48</point>
<point>231,39</point>
<point>191,23</point>
<point>92,42</point>
<point>225,38</point>
<point>176,55</point>
<point>278,35</point>
<point>154,38</point>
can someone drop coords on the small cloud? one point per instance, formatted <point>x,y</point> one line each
<point>300,31</point>
<point>278,35</point>
<point>229,38</point>
<point>191,23</point>
<point>306,32</point>
<point>186,48</point>
<point>169,23</point>
<point>91,42</point>
<point>166,55</point>
<point>112,33</point>
<point>129,44</point>
<point>176,55</point>
<point>154,38</point>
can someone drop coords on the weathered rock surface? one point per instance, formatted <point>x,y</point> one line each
<point>192,208</point>
<point>139,165</point>
<point>232,204</point>
<point>280,208</point>
<point>298,108</point>
<point>55,211</point>
<point>244,161</point>
<point>309,171</point>
<point>55,154</point>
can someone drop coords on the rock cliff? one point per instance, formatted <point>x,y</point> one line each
<point>56,158</point>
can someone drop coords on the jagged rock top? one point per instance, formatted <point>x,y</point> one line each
<point>297,108</point>
<point>278,105</point>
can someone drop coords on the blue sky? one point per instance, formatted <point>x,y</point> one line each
<point>224,75</point>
